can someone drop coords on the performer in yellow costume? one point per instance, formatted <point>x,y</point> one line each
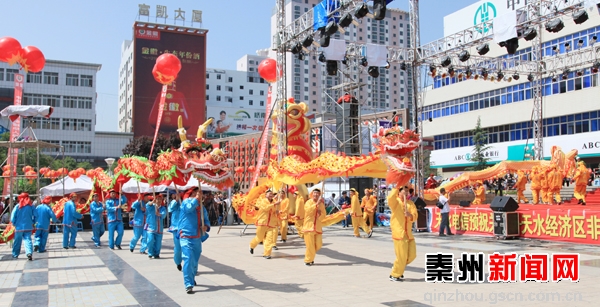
<point>283,216</point>
<point>274,223</point>
<point>479,191</point>
<point>299,221</point>
<point>369,204</point>
<point>536,184</point>
<point>520,186</point>
<point>357,214</point>
<point>544,191</point>
<point>582,175</point>
<point>555,181</point>
<point>404,213</point>
<point>264,225</point>
<point>314,210</point>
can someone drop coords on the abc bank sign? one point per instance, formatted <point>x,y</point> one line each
<point>586,144</point>
<point>477,13</point>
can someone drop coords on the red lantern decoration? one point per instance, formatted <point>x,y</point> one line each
<point>31,175</point>
<point>267,69</point>
<point>263,168</point>
<point>251,168</point>
<point>44,170</point>
<point>10,50</point>
<point>27,168</point>
<point>239,170</point>
<point>62,172</point>
<point>32,59</point>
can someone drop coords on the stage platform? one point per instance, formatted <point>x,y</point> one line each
<point>568,222</point>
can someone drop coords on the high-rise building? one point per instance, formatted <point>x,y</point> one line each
<point>571,113</point>
<point>236,99</point>
<point>308,81</point>
<point>139,92</point>
<point>70,88</point>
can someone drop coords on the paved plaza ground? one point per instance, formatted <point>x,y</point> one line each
<point>348,271</point>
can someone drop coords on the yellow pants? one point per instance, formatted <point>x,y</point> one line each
<point>274,234</point>
<point>357,221</point>
<point>263,234</point>
<point>522,197</point>
<point>555,195</point>
<point>535,193</point>
<point>580,191</point>
<point>544,195</point>
<point>299,224</point>
<point>406,252</point>
<point>314,242</point>
<point>370,218</point>
<point>284,229</point>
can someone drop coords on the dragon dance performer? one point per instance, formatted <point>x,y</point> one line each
<point>314,210</point>
<point>23,218</point>
<point>96,210</point>
<point>44,215</point>
<point>155,215</point>
<point>115,219</point>
<point>193,226</point>
<point>175,210</point>
<point>299,214</point>
<point>404,213</point>
<point>520,186</point>
<point>479,191</point>
<point>582,175</point>
<point>536,184</point>
<point>555,180</point>
<point>369,204</point>
<point>139,221</point>
<point>357,214</point>
<point>265,224</point>
<point>544,191</point>
<point>70,217</point>
<point>274,223</point>
<point>283,216</point>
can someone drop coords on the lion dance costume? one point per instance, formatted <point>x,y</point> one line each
<point>521,183</point>
<point>582,175</point>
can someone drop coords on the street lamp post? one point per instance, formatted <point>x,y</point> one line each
<point>110,162</point>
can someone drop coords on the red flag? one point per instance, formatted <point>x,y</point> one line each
<point>263,142</point>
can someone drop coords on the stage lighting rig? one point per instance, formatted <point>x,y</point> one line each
<point>446,61</point>
<point>373,71</point>
<point>580,17</point>
<point>483,49</point>
<point>530,34</point>
<point>464,56</point>
<point>555,25</point>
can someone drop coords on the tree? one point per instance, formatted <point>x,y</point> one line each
<point>480,140</point>
<point>427,164</point>
<point>141,146</point>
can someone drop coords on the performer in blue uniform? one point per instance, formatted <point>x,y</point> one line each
<point>193,224</point>
<point>115,219</point>
<point>96,212</point>
<point>23,218</point>
<point>155,215</point>
<point>70,217</point>
<point>175,210</point>
<point>139,220</point>
<point>44,215</point>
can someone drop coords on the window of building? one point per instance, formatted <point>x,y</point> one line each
<point>77,147</point>
<point>230,79</point>
<point>262,103</point>
<point>72,80</point>
<point>241,87</point>
<point>10,74</point>
<point>229,99</point>
<point>34,77</point>
<point>50,78</point>
<point>84,102</point>
<point>208,86</point>
<point>51,100</point>
<point>241,97</point>
<point>262,92</point>
<point>70,102</point>
<point>218,76</point>
<point>51,150</point>
<point>218,87</point>
<point>31,99</point>
<point>207,97</point>
<point>229,88</point>
<point>218,98</point>
<point>207,76</point>
<point>250,102</point>
<point>1,74</point>
<point>251,92</point>
<point>86,80</point>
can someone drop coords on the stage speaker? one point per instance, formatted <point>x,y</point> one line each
<point>332,68</point>
<point>419,203</point>
<point>504,204</point>
<point>506,224</point>
<point>360,184</point>
<point>465,203</point>
<point>422,219</point>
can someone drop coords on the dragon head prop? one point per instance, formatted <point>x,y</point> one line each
<point>396,146</point>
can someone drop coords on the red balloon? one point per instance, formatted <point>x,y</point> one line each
<point>168,64</point>
<point>32,59</point>
<point>161,78</point>
<point>10,49</point>
<point>268,70</point>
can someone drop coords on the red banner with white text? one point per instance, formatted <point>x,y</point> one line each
<point>15,130</point>
<point>570,225</point>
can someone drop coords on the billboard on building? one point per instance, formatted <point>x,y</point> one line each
<point>231,121</point>
<point>477,13</point>
<point>186,96</point>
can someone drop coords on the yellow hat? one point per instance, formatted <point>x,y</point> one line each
<point>354,190</point>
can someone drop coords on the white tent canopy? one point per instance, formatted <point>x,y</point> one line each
<point>132,187</point>
<point>82,184</point>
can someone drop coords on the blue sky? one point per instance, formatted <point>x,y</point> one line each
<point>92,32</point>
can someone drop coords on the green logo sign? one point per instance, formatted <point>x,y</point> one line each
<point>486,11</point>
